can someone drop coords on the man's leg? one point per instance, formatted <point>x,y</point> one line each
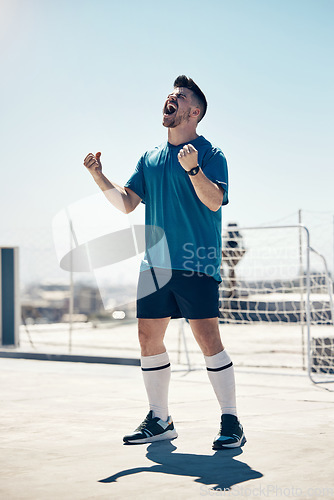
<point>221,375</point>
<point>156,373</point>
<point>155,363</point>
<point>218,363</point>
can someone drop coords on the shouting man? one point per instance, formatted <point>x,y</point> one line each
<point>183,183</point>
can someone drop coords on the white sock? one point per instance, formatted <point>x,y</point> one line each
<point>156,373</point>
<point>221,375</point>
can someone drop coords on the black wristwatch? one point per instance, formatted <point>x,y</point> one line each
<point>193,171</point>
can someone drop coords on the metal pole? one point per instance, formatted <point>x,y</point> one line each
<point>73,238</point>
<point>179,341</point>
<point>333,258</point>
<point>185,345</point>
<point>71,297</point>
<point>308,310</point>
<point>301,286</point>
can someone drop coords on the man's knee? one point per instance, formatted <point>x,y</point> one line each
<point>209,338</point>
<point>144,336</point>
<point>207,335</point>
<point>151,332</point>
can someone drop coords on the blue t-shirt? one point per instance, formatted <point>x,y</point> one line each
<point>184,233</point>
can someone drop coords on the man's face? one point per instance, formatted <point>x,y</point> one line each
<point>177,107</point>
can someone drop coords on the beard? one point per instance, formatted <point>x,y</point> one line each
<point>176,119</point>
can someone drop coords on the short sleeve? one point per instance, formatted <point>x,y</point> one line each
<point>214,166</point>
<point>137,180</point>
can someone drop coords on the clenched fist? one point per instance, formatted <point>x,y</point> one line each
<point>188,157</point>
<point>93,163</point>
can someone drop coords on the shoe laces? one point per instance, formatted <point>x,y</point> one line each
<point>227,427</point>
<point>144,423</point>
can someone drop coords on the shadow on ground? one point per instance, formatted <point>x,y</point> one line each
<point>219,470</point>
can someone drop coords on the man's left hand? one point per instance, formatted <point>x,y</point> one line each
<point>188,157</point>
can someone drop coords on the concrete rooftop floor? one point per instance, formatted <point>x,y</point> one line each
<point>62,424</point>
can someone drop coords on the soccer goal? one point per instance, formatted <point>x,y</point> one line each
<point>271,276</point>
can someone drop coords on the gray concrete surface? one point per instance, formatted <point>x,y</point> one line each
<point>62,424</point>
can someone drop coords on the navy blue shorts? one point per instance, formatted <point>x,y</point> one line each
<point>181,294</point>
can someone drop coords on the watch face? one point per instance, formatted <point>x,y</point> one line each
<point>194,170</point>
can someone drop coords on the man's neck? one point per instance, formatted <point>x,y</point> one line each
<point>178,135</point>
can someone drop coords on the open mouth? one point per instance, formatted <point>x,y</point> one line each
<point>170,108</point>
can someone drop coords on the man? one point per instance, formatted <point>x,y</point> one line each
<point>183,184</point>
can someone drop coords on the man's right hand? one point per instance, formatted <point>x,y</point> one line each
<point>93,163</point>
<point>122,198</point>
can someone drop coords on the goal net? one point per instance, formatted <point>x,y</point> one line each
<point>271,276</point>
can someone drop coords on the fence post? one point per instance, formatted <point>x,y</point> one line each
<point>10,309</point>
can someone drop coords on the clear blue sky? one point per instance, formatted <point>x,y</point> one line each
<point>92,75</point>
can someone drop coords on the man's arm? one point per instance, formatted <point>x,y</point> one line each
<point>208,192</point>
<point>122,198</point>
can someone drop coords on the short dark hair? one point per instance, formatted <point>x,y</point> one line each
<point>188,83</point>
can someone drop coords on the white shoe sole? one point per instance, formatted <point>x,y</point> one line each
<point>160,437</point>
<point>239,443</point>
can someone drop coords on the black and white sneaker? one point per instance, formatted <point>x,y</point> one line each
<point>152,429</point>
<point>231,433</point>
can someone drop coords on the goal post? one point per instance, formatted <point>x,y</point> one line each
<point>271,274</point>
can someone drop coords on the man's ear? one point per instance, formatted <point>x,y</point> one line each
<point>195,112</point>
